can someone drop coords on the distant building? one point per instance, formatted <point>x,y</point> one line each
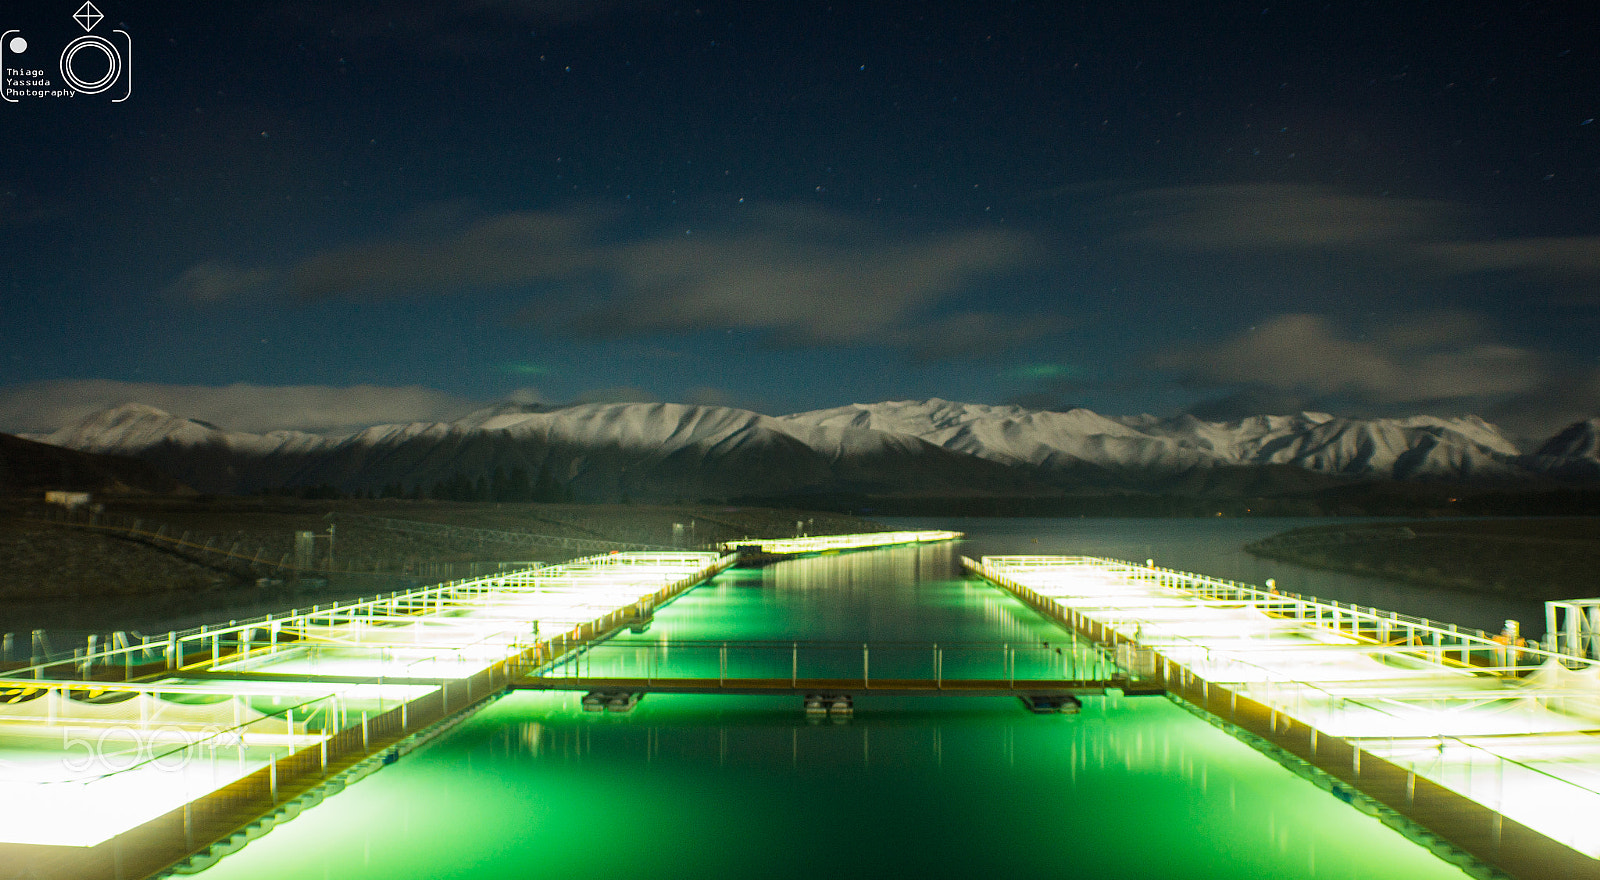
<point>69,500</point>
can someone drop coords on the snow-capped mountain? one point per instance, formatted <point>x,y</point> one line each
<point>600,451</point>
<point>136,427</point>
<point>1420,446</point>
<point>934,447</point>
<point>1010,434</point>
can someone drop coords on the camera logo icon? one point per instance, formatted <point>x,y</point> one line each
<point>89,64</point>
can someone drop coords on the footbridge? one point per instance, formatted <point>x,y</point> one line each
<point>1045,676</point>
<point>761,549</point>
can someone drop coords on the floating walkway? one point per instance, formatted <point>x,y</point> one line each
<point>1045,677</point>
<point>783,547</point>
<point>1473,745</point>
<point>144,758</point>
<point>1039,674</point>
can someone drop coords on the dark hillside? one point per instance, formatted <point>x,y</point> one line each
<point>27,467</point>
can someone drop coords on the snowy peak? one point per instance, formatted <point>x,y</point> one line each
<point>132,427</point>
<point>1575,452</point>
<point>674,450</point>
<point>1578,440</point>
<point>922,417</point>
<point>1006,434</point>
<point>499,415</point>
<point>1420,446</point>
<point>1407,448</point>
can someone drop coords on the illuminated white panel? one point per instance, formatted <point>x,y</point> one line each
<point>76,774</point>
<point>824,543</point>
<point>1508,729</point>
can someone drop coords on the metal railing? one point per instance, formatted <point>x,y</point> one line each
<point>316,737</point>
<point>1424,638</point>
<point>823,543</point>
<point>1524,800</point>
<point>713,659</point>
<point>172,649</point>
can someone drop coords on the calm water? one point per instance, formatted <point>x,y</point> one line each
<point>730,787</point>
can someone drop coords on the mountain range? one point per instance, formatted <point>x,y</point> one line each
<point>930,448</point>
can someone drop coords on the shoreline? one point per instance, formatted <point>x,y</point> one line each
<point>66,577</point>
<point>1540,559</point>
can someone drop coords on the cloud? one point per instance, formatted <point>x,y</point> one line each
<point>801,275</point>
<point>1440,363</point>
<point>218,281</point>
<point>45,406</point>
<point>1423,237</point>
<point>803,283</point>
<point>1272,217</point>
<point>1307,354</point>
<point>1560,258</point>
<point>1564,397</point>
<point>515,248</point>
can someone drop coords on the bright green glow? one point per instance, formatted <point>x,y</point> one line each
<point>725,787</point>
<point>525,369</point>
<point>1518,745</point>
<point>73,773</point>
<point>1042,371</point>
<point>720,787</point>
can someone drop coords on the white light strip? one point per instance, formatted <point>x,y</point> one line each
<point>823,543</point>
<point>63,789</point>
<point>1304,660</point>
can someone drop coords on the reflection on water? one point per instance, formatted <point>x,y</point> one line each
<point>735,787</point>
<point>740,787</point>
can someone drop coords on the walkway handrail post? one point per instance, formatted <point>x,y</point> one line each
<point>865,678</point>
<point>794,663</point>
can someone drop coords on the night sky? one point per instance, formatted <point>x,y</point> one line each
<point>324,214</point>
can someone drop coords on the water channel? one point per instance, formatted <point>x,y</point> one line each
<point>719,786</point>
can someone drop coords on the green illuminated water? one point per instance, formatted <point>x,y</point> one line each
<point>714,787</point>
